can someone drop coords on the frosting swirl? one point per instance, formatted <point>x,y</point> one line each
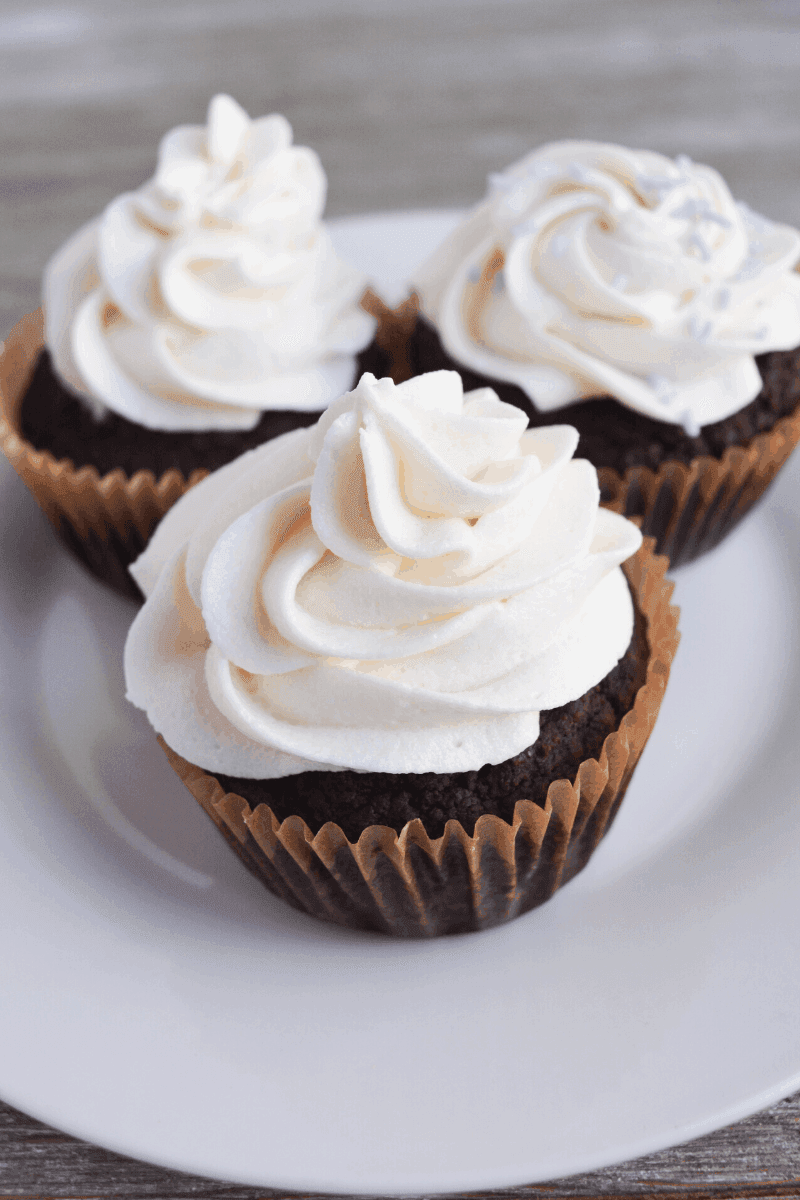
<point>591,269</point>
<point>402,587</point>
<point>213,292</point>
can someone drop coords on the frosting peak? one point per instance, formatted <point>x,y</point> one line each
<point>213,292</point>
<point>432,468</point>
<point>401,588</point>
<point>237,173</point>
<point>591,269</point>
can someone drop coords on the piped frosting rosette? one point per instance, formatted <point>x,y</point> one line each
<point>591,269</point>
<point>402,587</point>
<point>213,292</point>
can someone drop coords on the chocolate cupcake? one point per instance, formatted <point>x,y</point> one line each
<point>629,295</point>
<point>199,316</point>
<point>396,660</point>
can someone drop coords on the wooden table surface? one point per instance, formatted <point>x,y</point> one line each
<point>410,104</point>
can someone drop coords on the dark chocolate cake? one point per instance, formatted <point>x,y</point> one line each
<point>357,799</point>
<point>53,418</point>
<point>612,435</point>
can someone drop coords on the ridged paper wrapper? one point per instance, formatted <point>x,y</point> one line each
<point>411,885</point>
<point>107,520</point>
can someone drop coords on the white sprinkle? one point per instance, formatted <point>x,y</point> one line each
<point>474,275</point>
<point>700,210</point>
<point>543,169</point>
<point>723,298</point>
<point>662,388</point>
<point>648,183</point>
<point>690,424</point>
<point>755,248</point>
<point>699,331</point>
<point>684,162</point>
<point>620,282</point>
<point>690,209</point>
<point>580,172</point>
<point>560,244</point>
<point>748,270</point>
<point>696,240</point>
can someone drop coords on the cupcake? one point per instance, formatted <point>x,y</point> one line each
<point>629,295</point>
<point>396,660</point>
<point>199,316</point>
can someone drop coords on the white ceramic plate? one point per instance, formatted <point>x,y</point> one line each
<point>156,1000</point>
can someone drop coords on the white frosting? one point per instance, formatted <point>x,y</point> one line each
<point>592,269</point>
<point>213,292</point>
<point>402,587</point>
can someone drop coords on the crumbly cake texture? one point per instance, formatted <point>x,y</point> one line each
<point>53,418</point>
<point>612,435</point>
<point>355,800</point>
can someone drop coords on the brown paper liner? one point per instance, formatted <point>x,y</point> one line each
<point>411,885</point>
<point>690,509</point>
<point>107,521</point>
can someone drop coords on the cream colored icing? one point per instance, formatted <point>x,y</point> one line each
<point>213,292</point>
<point>593,269</point>
<point>402,587</point>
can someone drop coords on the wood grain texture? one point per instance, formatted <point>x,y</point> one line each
<point>409,105</point>
<point>759,1157</point>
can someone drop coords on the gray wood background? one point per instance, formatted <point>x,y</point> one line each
<point>410,104</point>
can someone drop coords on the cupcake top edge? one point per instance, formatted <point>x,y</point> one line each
<point>212,292</point>
<point>402,587</point>
<point>591,269</point>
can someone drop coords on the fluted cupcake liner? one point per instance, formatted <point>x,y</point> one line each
<point>411,885</point>
<point>107,520</point>
<point>689,509</point>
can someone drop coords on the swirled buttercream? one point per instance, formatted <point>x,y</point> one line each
<point>213,292</point>
<point>591,269</point>
<point>402,587</point>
